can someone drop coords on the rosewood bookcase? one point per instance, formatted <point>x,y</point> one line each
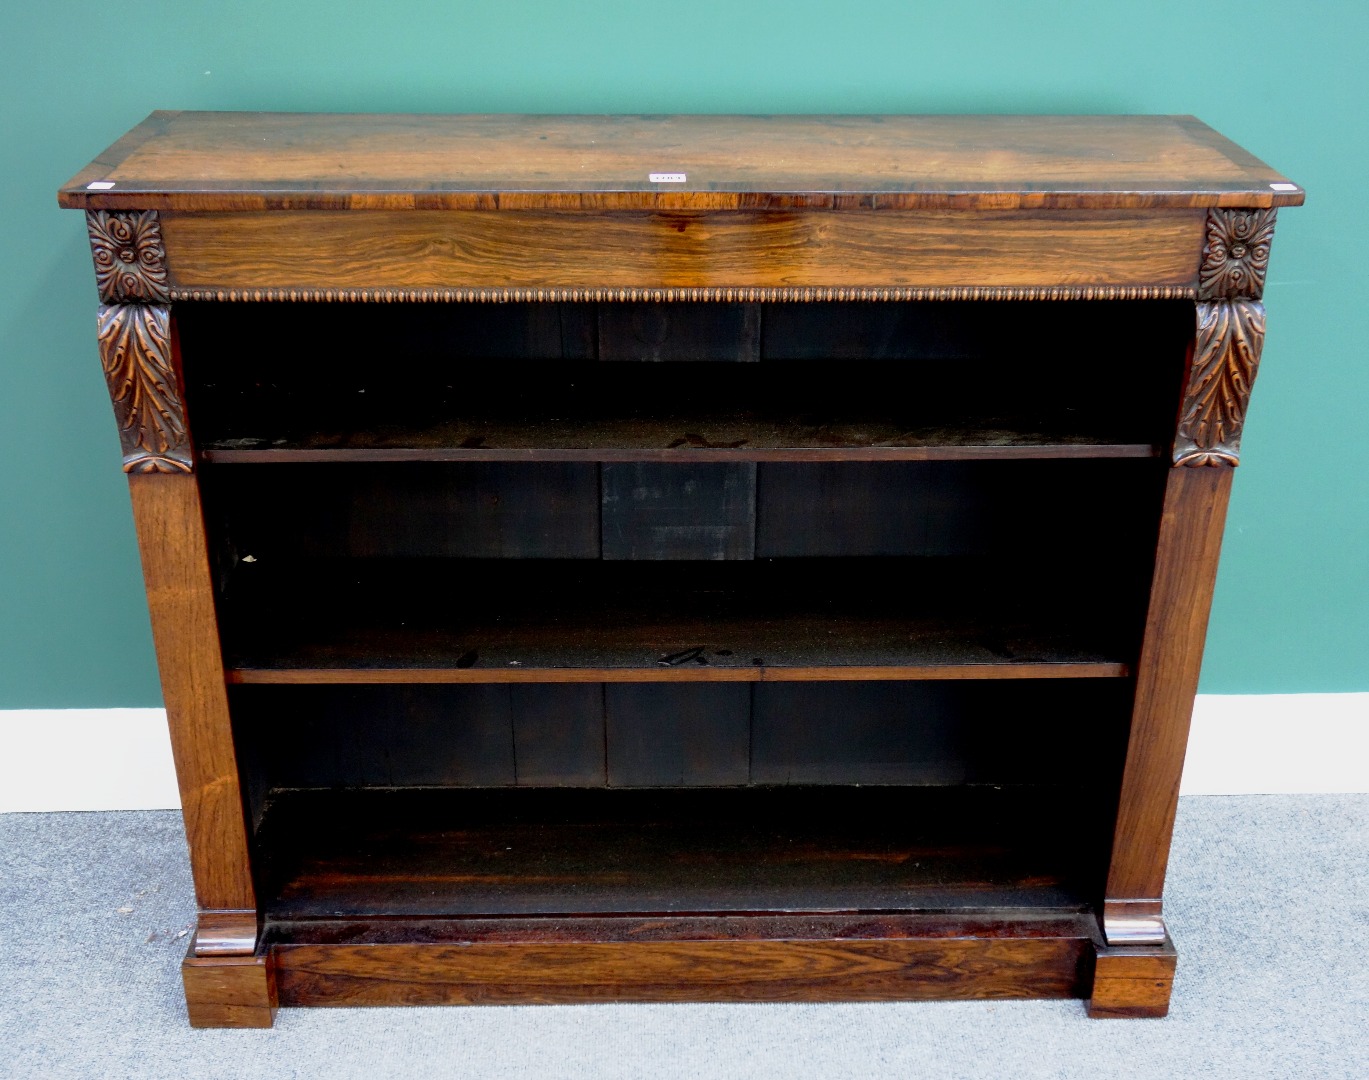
<point>678,558</point>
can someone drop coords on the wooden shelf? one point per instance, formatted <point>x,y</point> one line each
<point>444,853</point>
<point>541,410</point>
<point>507,621</point>
<point>681,438</point>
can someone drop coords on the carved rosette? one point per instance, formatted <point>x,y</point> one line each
<point>130,259</point>
<point>1226,357</point>
<point>135,348</point>
<point>1236,255</point>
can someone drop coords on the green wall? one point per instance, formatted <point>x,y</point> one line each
<point>1284,80</point>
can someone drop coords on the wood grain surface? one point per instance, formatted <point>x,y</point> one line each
<point>506,974</point>
<point>1004,925</point>
<point>180,596</point>
<point>247,161</point>
<point>229,991</point>
<point>1167,678</point>
<point>1132,982</point>
<point>537,249</point>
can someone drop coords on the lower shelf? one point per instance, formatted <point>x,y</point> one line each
<point>468,897</point>
<point>579,852</point>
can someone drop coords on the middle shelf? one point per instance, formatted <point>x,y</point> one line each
<point>536,620</point>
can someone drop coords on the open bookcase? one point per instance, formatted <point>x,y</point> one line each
<point>828,635</point>
<point>852,643</point>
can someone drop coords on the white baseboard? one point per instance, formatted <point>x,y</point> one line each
<point>1245,744</point>
<point>86,759</point>
<point>1277,744</point>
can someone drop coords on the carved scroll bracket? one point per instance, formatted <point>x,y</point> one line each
<point>1226,356</point>
<point>135,348</point>
<point>130,258</point>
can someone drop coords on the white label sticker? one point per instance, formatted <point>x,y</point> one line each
<point>1284,187</point>
<point>666,177</point>
<point>100,185</point>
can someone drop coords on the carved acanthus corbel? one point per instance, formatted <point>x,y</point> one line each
<point>135,339</point>
<point>135,349</point>
<point>1226,356</point>
<point>1229,337</point>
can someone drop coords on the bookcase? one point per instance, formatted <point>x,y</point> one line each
<point>678,558</point>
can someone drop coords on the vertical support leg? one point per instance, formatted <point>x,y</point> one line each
<point>1166,683</point>
<point>180,596</point>
<point>137,350</point>
<point>1167,680</point>
<point>1229,336</point>
<point>226,982</point>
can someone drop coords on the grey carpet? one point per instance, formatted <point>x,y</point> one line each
<point>1267,900</point>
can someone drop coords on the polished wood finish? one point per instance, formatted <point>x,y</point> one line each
<point>1134,922</point>
<point>366,676</point>
<point>1132,982</point>
<point>242,162</point>
<point>225,933</point>
<point>530,250</point>
<point>698,558</point>
<point>756,958</point>
<point>229,991</point>
<point>1167,679</point>
<point>180,596</point>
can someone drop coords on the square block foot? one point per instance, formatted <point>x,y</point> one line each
<point>229,991</point>
<point>1132,981</point>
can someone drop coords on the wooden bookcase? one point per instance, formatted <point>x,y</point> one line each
<point>782,580</point>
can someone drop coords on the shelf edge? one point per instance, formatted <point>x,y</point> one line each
<point>866,673</point>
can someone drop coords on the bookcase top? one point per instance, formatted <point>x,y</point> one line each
<point>243,161</point>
